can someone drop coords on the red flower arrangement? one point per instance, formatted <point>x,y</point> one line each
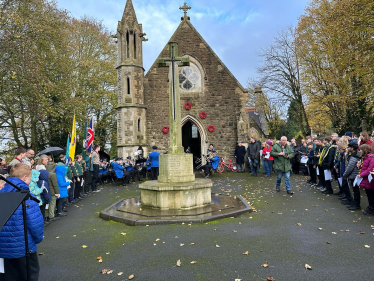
<point>211,128</point>
<point>202,114</point>
<point>165,129</point>
<point>187,105</point>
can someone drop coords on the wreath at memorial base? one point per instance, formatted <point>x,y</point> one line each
<point>211,128</point>
<point>202,114</point>
<point>165,129</point>
<point>187,105</point>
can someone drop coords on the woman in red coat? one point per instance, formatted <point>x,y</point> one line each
<point>268,160</point>
<point>366,168</point>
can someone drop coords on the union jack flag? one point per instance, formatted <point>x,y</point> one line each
<point>90,135</point>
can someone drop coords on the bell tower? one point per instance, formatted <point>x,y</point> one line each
<point>131,111</point>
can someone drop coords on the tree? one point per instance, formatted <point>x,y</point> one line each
<point>280,75</point>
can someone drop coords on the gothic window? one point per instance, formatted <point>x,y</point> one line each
<point>127,44</point>
<point>128,85</point>
<point>195,133</point>
<point>134,45</point>
<point>190,78</point>
<point>139,125</point>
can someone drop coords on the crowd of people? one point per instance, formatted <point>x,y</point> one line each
<point>347,160</point>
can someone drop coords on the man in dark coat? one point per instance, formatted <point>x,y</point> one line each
<point>239,155</point>
<point>253,155</point>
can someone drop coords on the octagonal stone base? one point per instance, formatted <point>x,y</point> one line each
<point>171,195</point>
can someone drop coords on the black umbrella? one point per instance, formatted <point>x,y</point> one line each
<point>51,150</point>
<point>103,155</point>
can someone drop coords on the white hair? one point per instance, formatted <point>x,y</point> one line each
<point>284,137</point>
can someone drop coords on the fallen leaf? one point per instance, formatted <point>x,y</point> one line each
<point>362,232</point>
<point>266,264</point>
<point>217,246</point>
<point>235,231</point>
<point>192,244</point>
<point>107,253</point>
<point>123,233</point>
<point>120,273</point>
<point>333,232</point>
<point>110,272</point>
<point>100,260</point>
<point>270,278</point>
<point>320,228</point>
<point>41,253</point>
<point>105,270</point>
<point>132,276</point>
<point>74,235</point>
<point>57,237</point>
<point>328,242</point>
<point>238,279</point>
<point>158,239</point>
<point>307,266</point>
<point>84,246</point>
<point>193,262</point>
<point>181,244</point>
<point>367,246</point>
<point>245,253</point>
<point>326,210</point>
<point>299,224</point>
<point>179,262</point>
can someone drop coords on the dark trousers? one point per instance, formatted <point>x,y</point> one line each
<point>15,269</point>
<point>370,195</point>
<point>71,192</point>
<point>345,189</point>
<point>78,187</point>
<point>326,184</point>
<point>154,173</point>
<point>60,204</point>
<point>313,174</point>
<point>42,209</point>
<point>207,169</point>
<point>95,177</point>
<point>356,193</point>
<point>321,176</point>
<point>87,181</point>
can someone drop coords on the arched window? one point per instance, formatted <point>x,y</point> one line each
<point>134,45</point>
<point>190,78</point>
<point>127,44</point>
<point>128,85</point>
<point>139,125</point>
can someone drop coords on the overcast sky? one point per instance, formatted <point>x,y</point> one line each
<point>236,30</point>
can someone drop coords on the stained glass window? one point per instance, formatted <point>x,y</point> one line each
<point>190,78</point>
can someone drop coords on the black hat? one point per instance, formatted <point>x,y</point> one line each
<point>154,147</point>
<point>128,157</point>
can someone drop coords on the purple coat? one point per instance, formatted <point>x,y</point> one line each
<point>367,167</point>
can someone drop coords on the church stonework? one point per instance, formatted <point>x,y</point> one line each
<point>206,84</point>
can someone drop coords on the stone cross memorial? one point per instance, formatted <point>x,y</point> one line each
<point>176,187</point>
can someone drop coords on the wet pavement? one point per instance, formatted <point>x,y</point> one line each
<point>282,235</point>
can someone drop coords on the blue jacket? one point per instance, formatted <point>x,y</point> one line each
<point>148,163</point>
<point>118,169</point>
<point>103,171</point>
<point>62,182</point>
<point>153,158</point>
<point>12,241</point>
<point>215,161</point>
<point>311,155</point>
<point>43,183</point>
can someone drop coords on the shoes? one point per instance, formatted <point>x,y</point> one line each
<point>62,214</point>
<point>64,210</point>
<point>309,181</point>
<point>289,192</point>
<point>207,176</point>
<point>277,189</point>
<point>338,193</point>
<point>323,189</point>
<point>319,187</point>
<point>54,219</point>
<point>347,202</point>
<point>328,192</point>
<point>354,208</point>
<point>46,223</point>
<point>369,211</point>
<point>342,196</point>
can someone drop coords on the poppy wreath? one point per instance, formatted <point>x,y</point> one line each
<point>211,128</point>
<point>202,114</point>
<point>187,105</point>
<point>165,129</point>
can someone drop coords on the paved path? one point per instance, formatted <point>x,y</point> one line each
<point>285,231</point>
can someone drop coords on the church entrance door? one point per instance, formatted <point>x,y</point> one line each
<point>191,139</point>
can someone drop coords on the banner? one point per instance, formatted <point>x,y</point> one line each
<point>73,142</point>
<point>90,135</point>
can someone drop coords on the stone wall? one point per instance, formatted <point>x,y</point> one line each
<point>220,97</point>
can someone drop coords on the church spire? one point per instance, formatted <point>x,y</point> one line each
<point>129,13</point>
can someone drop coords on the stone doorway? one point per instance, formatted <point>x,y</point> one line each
<point>191,139</point>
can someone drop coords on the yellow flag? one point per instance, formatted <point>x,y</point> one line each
<point>73,141</point>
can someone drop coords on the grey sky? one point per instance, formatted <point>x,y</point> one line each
<point>236,30</point>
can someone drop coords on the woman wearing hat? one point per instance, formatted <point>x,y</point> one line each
<point>268,160</point>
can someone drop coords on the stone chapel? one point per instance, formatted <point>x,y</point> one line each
<point>213,102</point>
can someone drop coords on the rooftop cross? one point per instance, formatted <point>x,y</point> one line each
<point>185,8</point>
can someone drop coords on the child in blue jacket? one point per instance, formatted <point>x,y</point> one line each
<point>12,241</point>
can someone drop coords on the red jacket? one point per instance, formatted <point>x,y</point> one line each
<point>267,150</point>
<point>367,167</point>
<point>361,143</point>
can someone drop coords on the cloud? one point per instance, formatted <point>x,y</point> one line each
<point>236,30</point>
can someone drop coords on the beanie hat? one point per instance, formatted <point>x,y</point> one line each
<point>349,134</point>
